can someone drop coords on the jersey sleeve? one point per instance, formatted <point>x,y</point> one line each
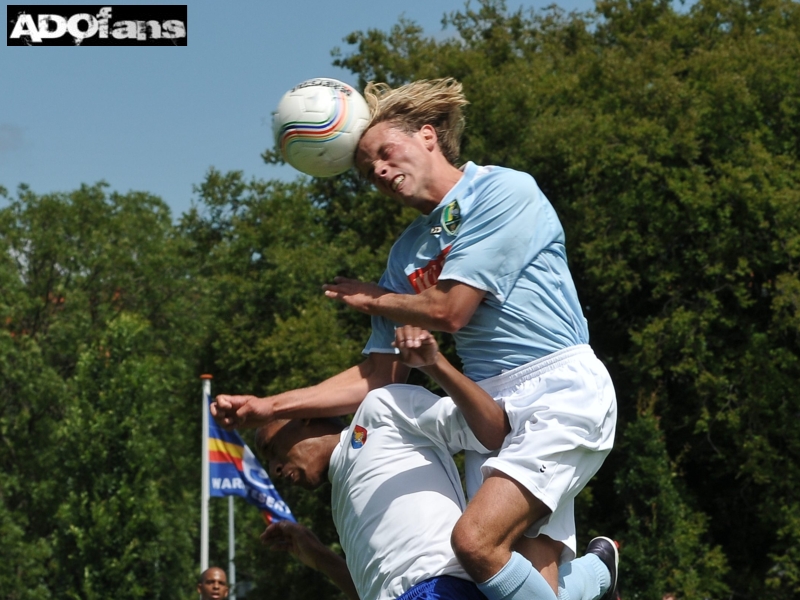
<point>382,335</point>
<point>424,413</point>
<point>506,225</point>
<point>381,338</point>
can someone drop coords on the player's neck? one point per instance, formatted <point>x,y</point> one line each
<point>444,179</point>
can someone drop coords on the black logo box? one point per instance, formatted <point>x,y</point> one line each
<point>135,13</point>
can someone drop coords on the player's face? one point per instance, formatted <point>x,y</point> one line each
<point>214,585</point>
<point>293,453</point>
<point>399,164</point>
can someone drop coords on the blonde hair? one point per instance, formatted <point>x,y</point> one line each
<point>435,102</point>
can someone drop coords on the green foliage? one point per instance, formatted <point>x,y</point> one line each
<point>664,537</point>
<point>23,561</point>
<point>126,482</point>
<point>97,345</point>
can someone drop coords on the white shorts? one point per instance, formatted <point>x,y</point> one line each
<point>563,412</point>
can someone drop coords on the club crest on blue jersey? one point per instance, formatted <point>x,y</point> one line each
<point>359,437</point>
<point>451,217</point>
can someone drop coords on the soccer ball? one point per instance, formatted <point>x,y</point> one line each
<point>317,126</point>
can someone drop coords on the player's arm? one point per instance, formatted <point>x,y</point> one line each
<point>336,396</point>
<point>301,543</point>
<point>486,418</point>
<point>447,306</point>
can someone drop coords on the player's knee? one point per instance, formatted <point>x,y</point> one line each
<point>468,546</point>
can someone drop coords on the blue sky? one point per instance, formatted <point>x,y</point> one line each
<point>156,119</point>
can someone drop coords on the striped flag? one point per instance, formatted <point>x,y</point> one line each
<point>235,471</point>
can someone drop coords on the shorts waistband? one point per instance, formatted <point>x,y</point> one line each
<point>442,588</point>
<point>495,386</point>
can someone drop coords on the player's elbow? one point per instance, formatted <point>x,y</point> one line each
<point>492,441</point>
<point>448,326</point>
<point>450,321</point>
<point>493,436</point>
<point>451,304</point>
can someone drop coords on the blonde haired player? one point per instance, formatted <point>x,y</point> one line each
<point>486,262</point>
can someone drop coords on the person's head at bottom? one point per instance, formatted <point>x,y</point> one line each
<point>213,584</point>
<point>299,450</point>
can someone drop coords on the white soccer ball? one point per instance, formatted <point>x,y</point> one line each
<point>317,126</point>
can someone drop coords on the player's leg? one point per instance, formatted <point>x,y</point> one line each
<point>579,581</point>
<point>590,577</point>
<point>483,542</point>
<point>485,536</point>
<point>544,553</point>
<point>562,428</point>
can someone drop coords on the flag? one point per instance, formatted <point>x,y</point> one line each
<point>235,471</point>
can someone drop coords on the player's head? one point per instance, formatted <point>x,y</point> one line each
<point>213,584</point>
<point>411,145</point>
<point>299,450</point>
<point>436,102</point>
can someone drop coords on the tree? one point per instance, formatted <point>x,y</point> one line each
<point>124,527</point>
<point>96,351</point>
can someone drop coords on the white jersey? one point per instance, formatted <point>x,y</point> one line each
<point>495,231</point>
<point>397,492</point>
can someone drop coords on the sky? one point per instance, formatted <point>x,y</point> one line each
<point>156,119</point>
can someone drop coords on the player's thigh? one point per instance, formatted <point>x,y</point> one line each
<point>501,511</point>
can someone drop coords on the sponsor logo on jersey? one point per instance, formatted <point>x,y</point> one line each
<point>359,437</point>
<point>451,217</point>
<point>427,276</point>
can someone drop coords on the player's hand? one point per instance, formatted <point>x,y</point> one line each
<point>299,541</point>
<point>418,347</point>
<point>241,412</point>
<point>360,295</point>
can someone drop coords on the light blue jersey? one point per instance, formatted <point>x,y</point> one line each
<point>495,231</point>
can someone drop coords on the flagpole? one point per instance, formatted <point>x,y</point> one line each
<point>205,494</point>
<point>231,551</point>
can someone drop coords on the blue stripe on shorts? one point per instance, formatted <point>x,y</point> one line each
<point>444,588</point>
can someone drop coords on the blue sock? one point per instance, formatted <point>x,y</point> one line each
<point>517,580</point>
<point>584,578</point>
